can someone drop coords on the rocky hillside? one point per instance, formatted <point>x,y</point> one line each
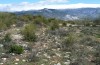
<point>36,40</point>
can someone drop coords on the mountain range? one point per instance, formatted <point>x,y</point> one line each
<point>65,14</point>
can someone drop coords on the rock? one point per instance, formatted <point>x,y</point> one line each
<point>21,54</point>
<point>23,60</point>
<point>60,24</point>
<point>66,63</point>
<point>67,56</point>
<point>68,52</point>
<point>16,37</point>
<point>46,55</point>
<point>3,53</point>
<point>13,25</point>
<point>1,63</point>
<point>24,45</point>
<point>1,45</point>
<point>58,54</point>
<point>58,49</point>
<point>44,46</point>
<point>58,63</point>
<point>53,49</point>
<point>4,59</point>
<point>13,54</point>
<point>45,59</point>
<point>16,63</point>
<point>16,59</point>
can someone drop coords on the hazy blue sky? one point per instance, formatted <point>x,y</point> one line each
<point>19,5</point>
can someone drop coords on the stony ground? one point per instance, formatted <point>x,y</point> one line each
<point>48,49</point>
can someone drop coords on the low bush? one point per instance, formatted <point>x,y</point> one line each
<point>68,42</point>
<point>29,33</point>
<point>54,26</point>
<point>70,39</point>
<point>16,49</point>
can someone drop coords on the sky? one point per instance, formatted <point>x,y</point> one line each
<point>24,5</point>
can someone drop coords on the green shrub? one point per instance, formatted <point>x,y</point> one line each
<point>54,25</point>
<point>7,19</point>
<point>29,33</point>
<point>16,49</point>
<point>64,24</point>
<point>68,41</point>
<point>26,18</point>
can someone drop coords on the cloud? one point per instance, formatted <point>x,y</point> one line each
<point>72,6</point>
<point>53,1</point>
<point>30,6</point>
<point>41,4</point>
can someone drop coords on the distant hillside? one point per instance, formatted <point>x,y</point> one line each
<point>65,14</point>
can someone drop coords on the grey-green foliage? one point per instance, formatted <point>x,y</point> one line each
<point>7,41</point>
<point>70,39</point>
<point>54,24</point>
<point>29,32</point>
<point>6,20</point>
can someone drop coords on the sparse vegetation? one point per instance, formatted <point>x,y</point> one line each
<point>48,41</point>
<point>6,20</point>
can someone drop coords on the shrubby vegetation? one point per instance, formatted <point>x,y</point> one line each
<point>74,41</point>
<point>7,41</point>
<point>6,20</point>
<point>26,18</point>
<point>54,25</point>
<point>40,20</point>
<point>29,32</point>
<point>70,39</point>
<point>16,49</point>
